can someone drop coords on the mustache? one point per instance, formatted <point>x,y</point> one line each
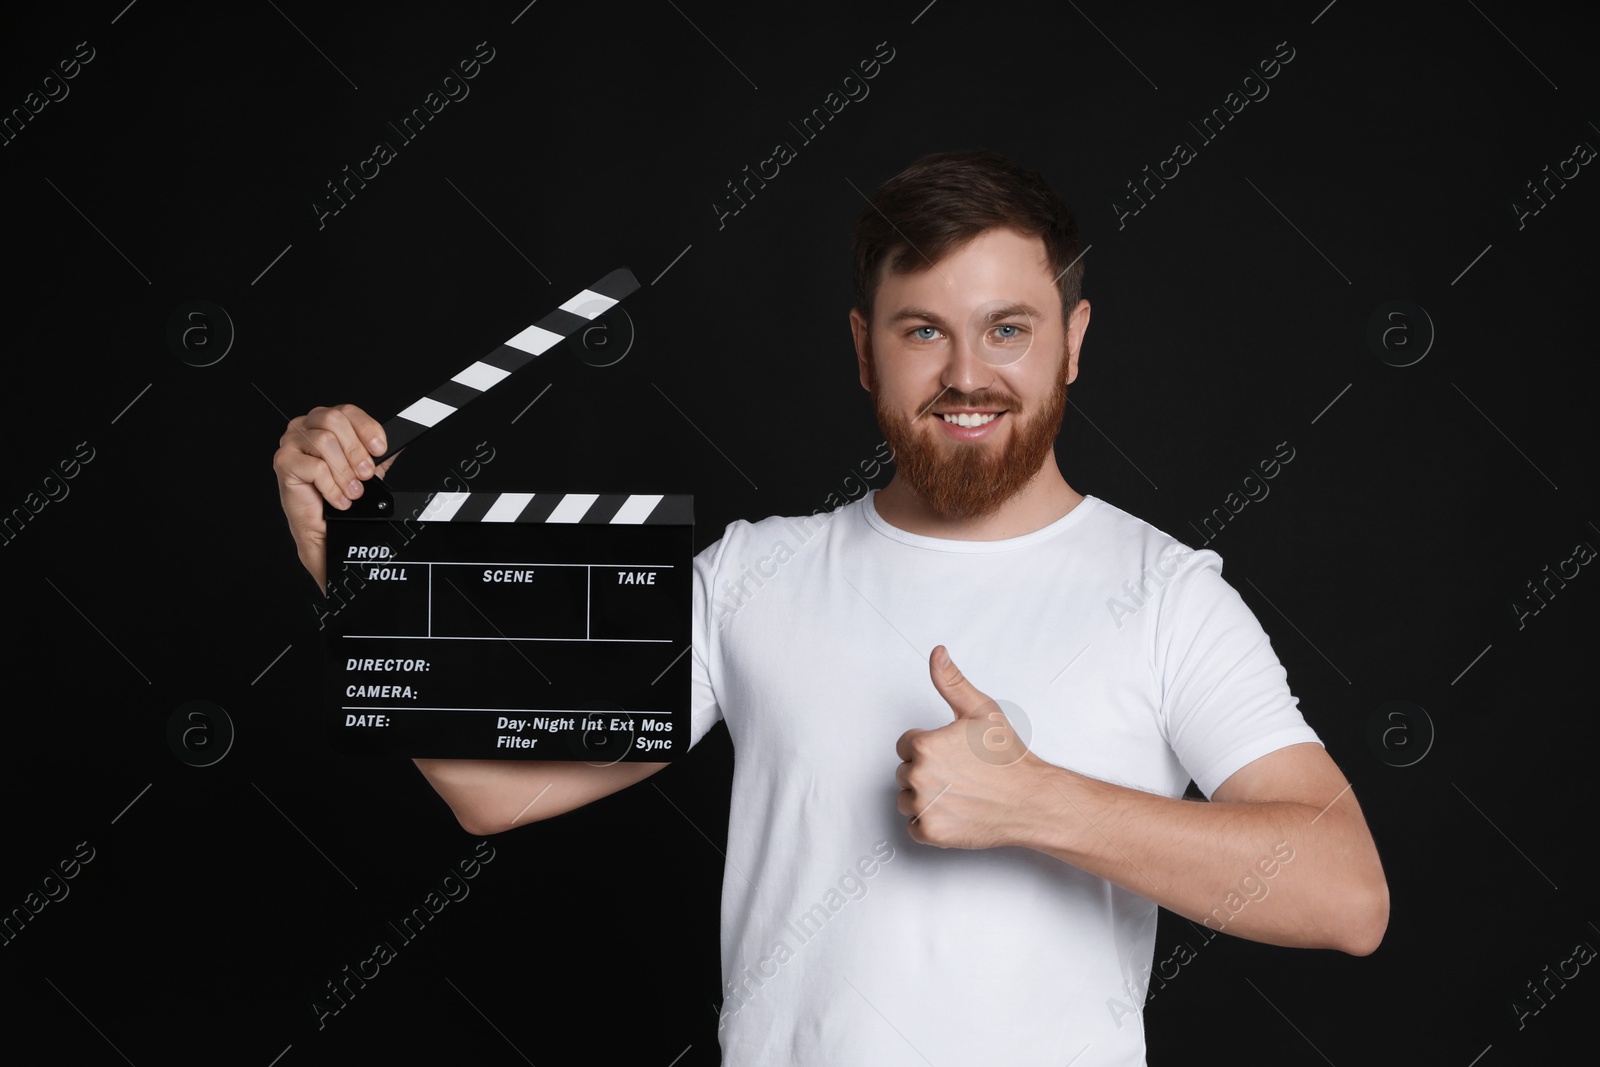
<point>983,399</point>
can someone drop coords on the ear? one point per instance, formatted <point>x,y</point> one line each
<point>1077,326</point>
<point>863,338</point>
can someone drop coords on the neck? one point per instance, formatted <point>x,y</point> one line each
<point>1045,498</point>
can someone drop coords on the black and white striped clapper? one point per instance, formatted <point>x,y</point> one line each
<point>625,509</point>
<point>509,625</point>
<point>484,374</point>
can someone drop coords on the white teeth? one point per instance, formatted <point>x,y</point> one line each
<point>964,419</point>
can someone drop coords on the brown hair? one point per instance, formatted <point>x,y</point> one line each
<point>944,200</point>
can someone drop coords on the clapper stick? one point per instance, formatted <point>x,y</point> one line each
<point>486,373</point>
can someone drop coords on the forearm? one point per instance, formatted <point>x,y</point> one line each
<point>491,796</point>
<point>476,790</point>
<point>1281,872</point>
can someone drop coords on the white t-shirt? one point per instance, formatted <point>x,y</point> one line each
<point>843,940</point>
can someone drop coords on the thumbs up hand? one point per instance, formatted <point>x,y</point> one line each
<point>965,785</point>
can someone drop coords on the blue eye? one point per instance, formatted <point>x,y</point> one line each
<point>1016,331</point>
<point>924,333</point>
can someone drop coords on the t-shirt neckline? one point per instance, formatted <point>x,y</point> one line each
<point>869,512</point>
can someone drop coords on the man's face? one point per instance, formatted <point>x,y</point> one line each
<point>978,334</point>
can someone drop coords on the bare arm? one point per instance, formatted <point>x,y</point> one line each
<point>327,455</point>
<point>491,796</point>
<point>1282,854</point>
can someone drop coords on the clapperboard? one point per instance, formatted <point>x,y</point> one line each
<point>542,625</point>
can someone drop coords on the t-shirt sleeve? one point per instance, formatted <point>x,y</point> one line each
<point>704,712</point>
<point>1224,695</point>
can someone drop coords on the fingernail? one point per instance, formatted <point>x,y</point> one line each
<point>364,467</point>
<point>354,488</point>
<point>377,446</point>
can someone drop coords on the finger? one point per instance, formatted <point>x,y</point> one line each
<point>902,747</point>
<point>360,435</point>
<point>329,434</point>
<point>964,698</point>
<point>298,470</point>
<point>368,430</point>
<point>357,432</point>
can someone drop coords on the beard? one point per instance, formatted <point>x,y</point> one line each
<point>970,479</point>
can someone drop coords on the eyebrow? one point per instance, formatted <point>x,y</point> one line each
<point>1006,312</point>
<point>1011,311</point>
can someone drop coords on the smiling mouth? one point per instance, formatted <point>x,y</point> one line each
<point>969,419</point>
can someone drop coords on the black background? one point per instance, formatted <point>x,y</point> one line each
<point>1229,314</point>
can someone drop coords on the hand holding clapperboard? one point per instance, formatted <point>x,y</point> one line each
<point>537,625</point>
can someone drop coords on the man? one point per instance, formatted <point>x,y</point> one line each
<point>1126,665</point>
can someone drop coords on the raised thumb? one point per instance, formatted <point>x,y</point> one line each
<point>963,697</point>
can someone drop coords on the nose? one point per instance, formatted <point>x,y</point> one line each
<point>966,371</point>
